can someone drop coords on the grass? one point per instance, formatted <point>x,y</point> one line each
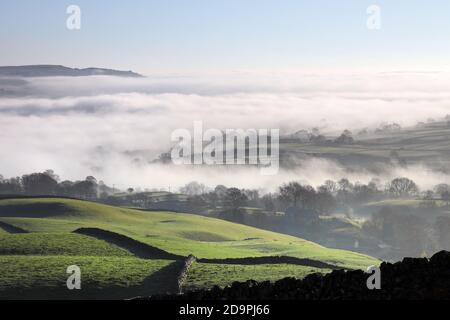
<point>33,265</point>
<point>44,277</point>
<point>205,275</point>
<point>58,244</point>
<point>177,233</point>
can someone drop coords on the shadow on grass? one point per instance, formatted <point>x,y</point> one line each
<point>11,229</point>
<point>273,260</point>
<point>35,210</point>
<point>162,281</point>
<point>139,249</point>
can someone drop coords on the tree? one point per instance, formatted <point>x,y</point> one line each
<point>65,188</point>
<point>324,202</point>
<point>403,230</point>
<point>445,196</point>
<point>220,191</point>
<point>252,196</point>
<point>374,185</point>
<point>428,195</point>
<point>52,174</point>
<point>345,138</point>
<point>330,186</point>
<point>294,193</point>
<point>86,189</point>
<point>443,190</point>
<point>91,179</point>
<point>130,190</point>
<point>363,193</point>
<point>47,183</point>
<point>193,188</point>
<point>290,193</point>
<point>235,198</point>
<point>10,186</point>
<point>344,185</point>
<point>400,187</point>
<point>39,184</point>
<point>308,196</point>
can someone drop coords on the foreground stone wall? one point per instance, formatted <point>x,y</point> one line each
<point>412,278</point>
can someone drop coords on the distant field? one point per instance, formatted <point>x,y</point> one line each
<point>205,275</point>
<point>409,203</point>
<point>427,144</point>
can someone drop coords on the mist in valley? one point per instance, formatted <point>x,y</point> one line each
<point>116,129</point>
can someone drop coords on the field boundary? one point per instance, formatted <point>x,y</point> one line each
<point>11,229</point>
<point>184,272</point>
<point>274,260</point>
<point>24,196</point>
<point>141,250</point>
<point>146,251</point>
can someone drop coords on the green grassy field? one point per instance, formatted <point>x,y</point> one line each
<point>206,275</point>
<point>176,233</point>
<point>57,244</point>
<point>39,259</point>
<point>44,277</point>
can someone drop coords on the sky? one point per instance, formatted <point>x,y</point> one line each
<point>176,36</point>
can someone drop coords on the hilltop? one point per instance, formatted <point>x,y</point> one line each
<point>61,71</point>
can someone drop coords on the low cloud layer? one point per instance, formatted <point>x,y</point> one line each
<point>112,127</point>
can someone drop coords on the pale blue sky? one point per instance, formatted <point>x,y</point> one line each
<point>208,35</point>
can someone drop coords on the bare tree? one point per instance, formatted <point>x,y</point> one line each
<point>235,198</point>
<point>403,187</point>
<point>294,193</point>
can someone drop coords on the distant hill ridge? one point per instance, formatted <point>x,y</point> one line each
<point>61,71</point>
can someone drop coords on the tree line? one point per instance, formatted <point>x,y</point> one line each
<point>323,199</point>
<point>48,183</point>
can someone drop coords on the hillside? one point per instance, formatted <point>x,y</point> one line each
<point>421,144</point>
<point>176,233</point>
<point>37,243</point>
